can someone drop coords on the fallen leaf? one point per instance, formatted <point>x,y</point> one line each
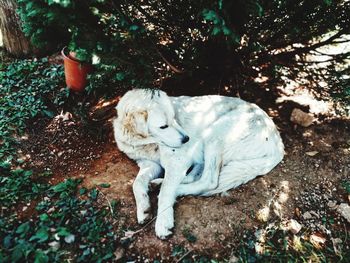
<point>312,153</point>
<point>129,234</point>
<point>54,245</point>
<point>317,240</point>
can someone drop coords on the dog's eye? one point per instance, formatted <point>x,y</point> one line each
<point>163,127</point>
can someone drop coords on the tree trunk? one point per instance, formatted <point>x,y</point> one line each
<point>13,38</point>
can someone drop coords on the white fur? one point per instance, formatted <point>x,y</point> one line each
<point>231,142</point>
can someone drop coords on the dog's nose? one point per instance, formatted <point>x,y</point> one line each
<point>185,139</point>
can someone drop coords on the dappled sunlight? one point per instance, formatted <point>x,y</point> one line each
<point>324,55</point>
<point>275,203</point>
<point>311,85</point>
<point>261,79</point>
<point>306,98</point>
<point>24,137</point>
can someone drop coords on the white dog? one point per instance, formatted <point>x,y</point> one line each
<point>206,145</point>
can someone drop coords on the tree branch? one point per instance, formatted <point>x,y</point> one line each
<point>304,50</point>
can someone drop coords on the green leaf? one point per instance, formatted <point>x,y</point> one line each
<point>41,235</point>
<point>120,76</point>
<point>133,27</point>
<point>82,191</point>
<point>104,185</point>
<point>17,253</point>
<point>209,15</point>
<point>67,185</point>
<point>216,30</point>
<point>93,194</point>
<point>220,4</point>
<point>40,257</point>
<point>63,232</point>
<point>23,228</point>
<point>226,31</point>
<point>5,165</point>
<point>328,2</point>
<point>44,217</point>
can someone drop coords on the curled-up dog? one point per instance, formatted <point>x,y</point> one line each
<point>205,145</point>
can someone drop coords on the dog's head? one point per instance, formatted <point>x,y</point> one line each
<point>146,116</point>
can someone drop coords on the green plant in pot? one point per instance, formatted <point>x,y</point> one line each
<point>75,70</point>
<point>64,23</point>
<point>77,61</point>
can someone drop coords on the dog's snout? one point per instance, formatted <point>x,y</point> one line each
<point>185,139</point>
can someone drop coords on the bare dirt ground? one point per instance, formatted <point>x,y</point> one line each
<point>302,187</point>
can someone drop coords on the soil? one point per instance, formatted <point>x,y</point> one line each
<point>316,163</point>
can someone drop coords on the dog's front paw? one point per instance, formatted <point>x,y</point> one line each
<point>164,224</point>
<point>143,210</point>
<point>143,216</point>
<point>162,229</point>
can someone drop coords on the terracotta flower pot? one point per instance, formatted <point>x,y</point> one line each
<point>76,72</point>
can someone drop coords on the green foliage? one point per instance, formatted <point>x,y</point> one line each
<point>18,185</point>
<point>281,246</point>
<point>66,226</point>
<point>126,35</point>
<point>189,236</point>
<point>139,44</point>
<point>27,90</point>
<point>63,225</point>
<point>346,185</point>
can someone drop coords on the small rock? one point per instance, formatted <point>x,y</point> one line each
<point>332,204</point>
<point>301,118</point>
<point>313,213</point>
<point>233,259</point>
<point>263,214</point>
<point>119,253</point>
<point>344,210</point>
<point>307,215</point>
<point>294,226</point>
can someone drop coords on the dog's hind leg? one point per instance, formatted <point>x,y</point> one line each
<point>210,176</point>
<point>148,171</point>
<point>238,172</point>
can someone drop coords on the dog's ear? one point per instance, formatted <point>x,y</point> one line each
<point>135,124</point>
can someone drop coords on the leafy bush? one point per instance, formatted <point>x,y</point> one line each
<point>139,44</point>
